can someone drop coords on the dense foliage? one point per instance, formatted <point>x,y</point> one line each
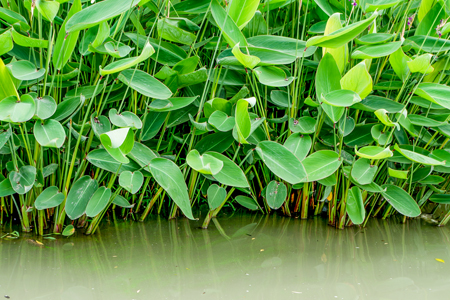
<point>161,106</point>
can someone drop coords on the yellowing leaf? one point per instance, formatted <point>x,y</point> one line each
<point>249,61</point>
<point>440,260</point>
<point>358,80</point>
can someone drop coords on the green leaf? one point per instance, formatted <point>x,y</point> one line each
<point>441,199</point>
<point>79,195</point>
<point>6,41</point>
<point>373,152</point>
<point>169,31</point>
<point>171,104</point>
<point>273,76</point>
<point>281,162</point>
<point>166,53</point>
<point>28,42</point>
<point>304,125</point>
<point>398,173</point>
<point>360,136</point>
<point>382,115</point>
<point>321,164</point>
<point>421,120</point>
<point>13,17</point>
<point>400,200</point>
<point>327,80</point>
<point>247,202</point>
<point>17,111</point>
<point>117,49</point>
<point>68,231</point>
<point>428,43</point>
<point>6,188</point>
<point>118,143</point>
<point>346,125</point>
<point>373,5</point>
<point>205,164</point>
<point>98,201</point>
<point>98,13</point>
<point>421,64</point>
<point>131,181</point>
<point>248,61</point>
<point>242,119</point>
<point>152,124</point>
<point>142,155</point>
<point>49,133</point>
<point>341,98</point>
<point>363,172</point>
<point>217,142</point>
<point>145,84</point>
<point>399,62</point>
<point>242,11</point>
<point>375,51</point>
<point>340,54</point>
<point>436,93</point>
<point>221,121</point>
<point>170,178</point>
<point>373,103</point>
<point>358,80</point>
<point>103,160</point>
<point>126,63</point>
<point>431,20</point>
<point>226,24</point>
<point>276,193</point>
<point>278,46</point>
<point>65,43</point>
<point>342,36</point>
<point>49,198</point>
<point>45,106</point>
<point>25,70</point>
<point>47,8</point>
<point>23,180</point>
<point>124,119</point>
<point>299,145</point>
<point>418,158</point>
<point>355,206</point>
<point>374,38</point>
<point>122,202</point>
<point>216,196</point>
<point>230,174</point>
<point>7,88</point>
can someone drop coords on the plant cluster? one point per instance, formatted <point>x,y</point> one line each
<point>309,107</point>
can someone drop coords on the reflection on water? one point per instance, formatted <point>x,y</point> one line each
<point>242,257</point>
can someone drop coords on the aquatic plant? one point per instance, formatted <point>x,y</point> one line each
<point>159,106</point>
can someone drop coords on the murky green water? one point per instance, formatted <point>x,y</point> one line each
<point>243,257</point>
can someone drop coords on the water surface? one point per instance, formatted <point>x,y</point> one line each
<point>238,257</point>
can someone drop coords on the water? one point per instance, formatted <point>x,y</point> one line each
<point>241,257</point>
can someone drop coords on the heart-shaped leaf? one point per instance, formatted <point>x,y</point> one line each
<point>49,133</point>
<point>205,164</point>
<point>131,181</point>
<point>17,111</point>
<point>216,196</point>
